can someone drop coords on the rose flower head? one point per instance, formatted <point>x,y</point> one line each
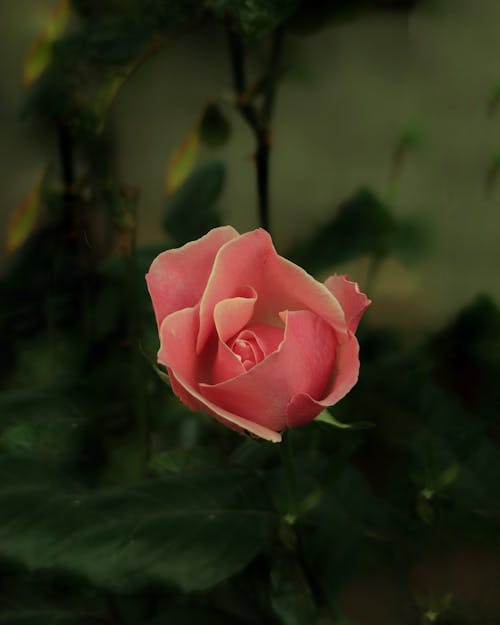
<point>248,336</point>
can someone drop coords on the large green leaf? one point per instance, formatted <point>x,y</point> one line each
<point>191,210</point>
<point>291,597</point>
<point>189,531</point>
<point>46,617</point>
<point>363,225</point>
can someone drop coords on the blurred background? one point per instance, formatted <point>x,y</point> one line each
<point>121,137</point>
<point>352,93</point>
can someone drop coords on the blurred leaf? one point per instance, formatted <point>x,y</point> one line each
<point>40,53</point>
<point>409,139</point>
<point>171,15</point>
<point>492,172</point>
<point>424,509</point>
<point>254,18</point>
<point>47,617</point>
<point>23,219</point>
<point>215,130</point>
<point>177,461</point>
<point>18,438</point>
<point>117,39</point>
<point>191,210</point>
<point>189,531</point>
<point>494,100</point>
<point>411,240</point>
<point>182,161</point>
<point>326,417</point>
<point>350,523</point>
<point>107,92</point>
<point>291,597</point>
<point>476,487</point>
<point>363,225</point>
<point>467,357</point>
<point>313,16</point>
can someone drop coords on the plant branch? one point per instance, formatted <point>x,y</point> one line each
<point>258,120</point>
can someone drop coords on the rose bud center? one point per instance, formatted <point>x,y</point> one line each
<point>246,347</point>
<point>252,344</point>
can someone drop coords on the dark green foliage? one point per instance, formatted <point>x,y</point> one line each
<point>192,533</point>
<point>253,18</point>
<point>191,211</point>
<point>118,504</point>
<point>363,225</point>
<point>291,597</point>
<point>215,130</point>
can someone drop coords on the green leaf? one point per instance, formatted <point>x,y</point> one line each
<point>40,53</point>
<point>46,617</point>
<point>215,130</point>
<point>190,211</point>
<point>189,531</point>
<point>177,461</point>
<point>326,417</point>
<point>117,40</point>
<point>254,18</point>
<point>363,225</point>
<point>182,160</point>
<point>291,597</point>
<point>24,217</point>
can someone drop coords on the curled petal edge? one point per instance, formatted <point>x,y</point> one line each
<point>197,402</point>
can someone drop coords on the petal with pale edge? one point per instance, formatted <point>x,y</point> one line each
<point>353,302</point>
<point>177,278</point>
<point>302,364</point>
<point>230,316</point>
<point>281,285</point>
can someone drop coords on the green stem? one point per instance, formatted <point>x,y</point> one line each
<point>286,453</point>
<point>259,121</point>
<point>141,413</point>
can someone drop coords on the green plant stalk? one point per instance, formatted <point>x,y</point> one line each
<point>143,430</point>
<point>259,120</point>
<point>286,454</point>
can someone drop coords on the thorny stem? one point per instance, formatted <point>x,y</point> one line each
<point>259,120</point>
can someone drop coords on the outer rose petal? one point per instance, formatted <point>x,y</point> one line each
<point>303,408</point>
<point>281,285</point>
<point>302,364</point>
<point>353,302</point>
<point>177,278</point>
<point>177,352</point>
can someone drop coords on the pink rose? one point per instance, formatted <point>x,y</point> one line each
<point>251,338</point>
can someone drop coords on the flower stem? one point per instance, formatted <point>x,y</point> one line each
<point>258,120</point>
<point>286,453</point>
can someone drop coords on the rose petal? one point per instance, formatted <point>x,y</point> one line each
<point>232,315</point>
<point>353,302</point>
<point>303,407</point>
<point>302,364</point>
<point>177,352</point>
<point>177,278</point>
<point>281,285</point>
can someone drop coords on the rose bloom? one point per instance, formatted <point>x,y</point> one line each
<point>251,338</point>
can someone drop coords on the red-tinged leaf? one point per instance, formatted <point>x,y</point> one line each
<point>40,53</point>
<point>182,160</point>
<point>23,218</point>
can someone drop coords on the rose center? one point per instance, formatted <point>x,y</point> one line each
<point>246,348</point>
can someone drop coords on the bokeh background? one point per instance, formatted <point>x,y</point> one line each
<point>389,111</point>
<point>352,92</point>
